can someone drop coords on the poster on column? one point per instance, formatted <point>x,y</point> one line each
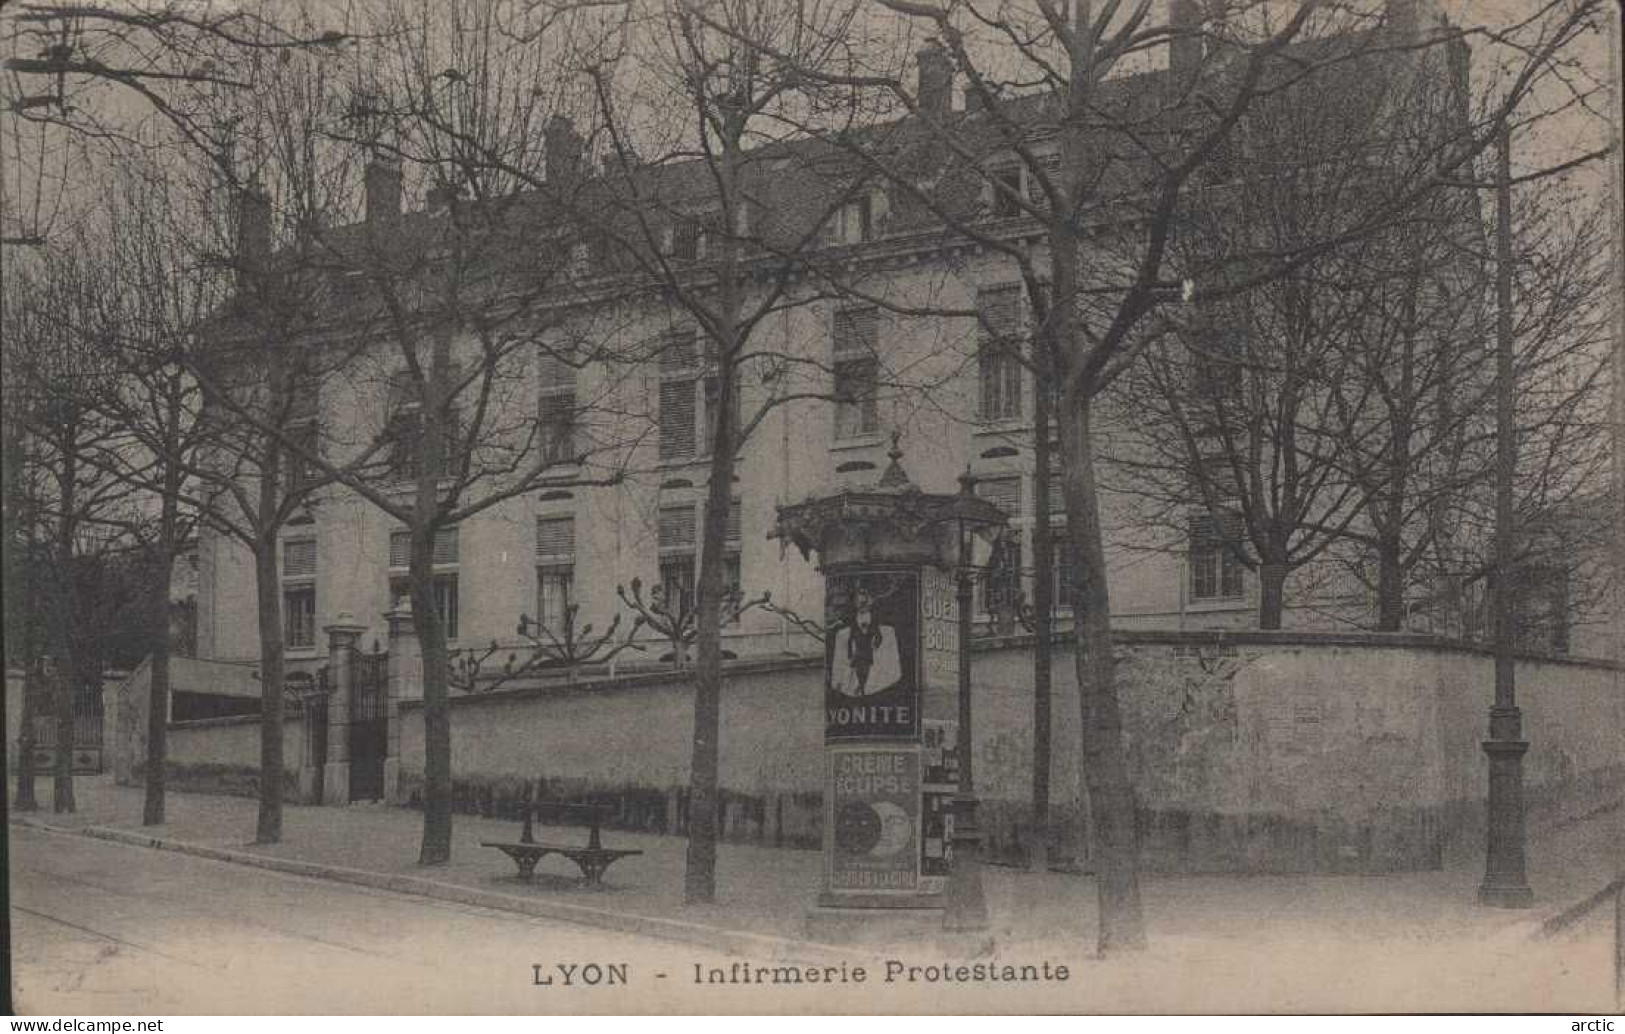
<point>872,656</point>
<point>873,826</point>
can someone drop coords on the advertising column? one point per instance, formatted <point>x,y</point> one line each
<point>872,721</point>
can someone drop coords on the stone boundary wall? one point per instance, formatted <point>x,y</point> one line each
<point>1251,751</point>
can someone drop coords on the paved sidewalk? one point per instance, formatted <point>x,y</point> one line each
<point>765,892</point>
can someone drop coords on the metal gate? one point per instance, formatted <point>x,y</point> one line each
<point>316,737</point>
<point>369,723</point>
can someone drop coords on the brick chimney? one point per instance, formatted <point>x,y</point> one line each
<point>562,150</point>
<point>253,252</point>
<point>936,79</point>
<point>382,182</point>
<point>1185,43</point>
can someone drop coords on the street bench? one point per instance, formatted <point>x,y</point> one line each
<point>592,859</point>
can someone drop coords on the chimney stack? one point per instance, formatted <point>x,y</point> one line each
<point>562,146</point>
<point>936,86</point>
<point>1185,43</point>
<point>253,236</point>
<point>382,182</point>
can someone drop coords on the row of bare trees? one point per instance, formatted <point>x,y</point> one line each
<point>727,151</point>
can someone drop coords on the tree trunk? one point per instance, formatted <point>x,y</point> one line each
<point>1105,759</point>
<point>62,798</point>
<point>700,872</point>
<point>1043,621</point>
<point>435,848</point>
<point>1390,587</point>
<point>1271,594</point>
<point>152,809</point>
<point>26,799</point>
<point>268,828</point>
<point>66,636</point>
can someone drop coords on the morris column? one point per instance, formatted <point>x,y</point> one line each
<point>892,645</point>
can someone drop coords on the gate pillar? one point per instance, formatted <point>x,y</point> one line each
<point>341,640</point>
<point>405,680</point>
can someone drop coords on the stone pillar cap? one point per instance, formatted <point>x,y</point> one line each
<point>344,621</point>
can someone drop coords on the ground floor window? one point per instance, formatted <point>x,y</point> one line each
<point>445,598</point>
<point>299,617</point>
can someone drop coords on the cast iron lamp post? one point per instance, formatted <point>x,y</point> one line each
<point>965,905</point>
<point>1505,883</point>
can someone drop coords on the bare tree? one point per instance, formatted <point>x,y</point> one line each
<point>1069,145</point>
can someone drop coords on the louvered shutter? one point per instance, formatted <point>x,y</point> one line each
<point>1057,495</point>
<point>856,332</point>
<point>555,372</point>
<point>1005,493</point>
<point>446,546</point>
<point>555,538</point>
<point>732,534</point>
<point>677,437</point>
<point>1001,310</point>
<point>676,528</point>
<point>299,558</point>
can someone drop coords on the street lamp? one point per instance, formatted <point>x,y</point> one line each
<point>965,904</point>
<point>1505,883</point>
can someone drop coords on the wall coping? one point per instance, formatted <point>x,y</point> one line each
<point>223,721</point>
<point>1120,637</point>
<point>632,680</point>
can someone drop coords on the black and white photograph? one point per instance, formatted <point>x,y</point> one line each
<point>835,507</point>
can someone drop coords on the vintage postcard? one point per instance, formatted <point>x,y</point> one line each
<point>848,506</point>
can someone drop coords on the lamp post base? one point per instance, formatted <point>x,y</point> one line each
<point>964,904</point>
<point>1505,883</point>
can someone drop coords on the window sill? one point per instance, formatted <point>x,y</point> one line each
<point>1208,604</point>
<point>1009,425</point>
<point>857,441</point>
<point>299,653</point>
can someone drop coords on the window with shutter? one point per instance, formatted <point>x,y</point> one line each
<point>855,344</point>
<point>1216,569</point>
<point>1003,492</point>
<point>556,372</point>
<point>555,570</point>
<point>679,388</point>
<point>299,558</point>
<point>732,534</point>
<point>555,537</point>
<point>677,416</point>
<point>299,617</point>
<point>445,599</point>
<point>556,424</point>
<point>1050,165</point>
<point>856,333</point>
<point>856,407</point>
<point>675,530</point>
<point>1005,184</point>
<point>445,547</point>
<point>998,365</point>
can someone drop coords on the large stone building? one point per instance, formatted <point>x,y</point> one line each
<point>941,385</point>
